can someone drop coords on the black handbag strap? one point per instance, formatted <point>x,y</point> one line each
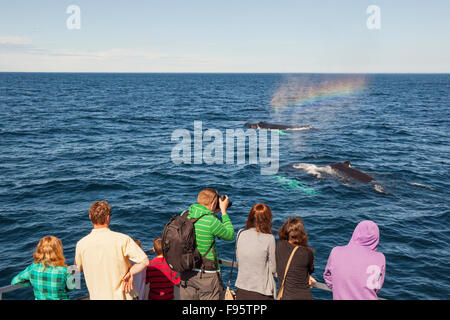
<point>234,257</point>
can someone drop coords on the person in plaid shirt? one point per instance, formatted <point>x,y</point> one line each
<point>48,274</point>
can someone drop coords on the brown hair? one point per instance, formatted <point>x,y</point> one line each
<point>294,232</point>
<point>206,197</point>
<point>157,245</point>
<point>99,211</point>
<point>138,242</point>
<point>260,217</point>
<point>49,252</point>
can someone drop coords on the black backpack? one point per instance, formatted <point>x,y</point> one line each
<point>179,245</point>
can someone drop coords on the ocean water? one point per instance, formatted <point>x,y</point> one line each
<point>67,140</point>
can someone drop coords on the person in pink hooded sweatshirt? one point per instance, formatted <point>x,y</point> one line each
<point>356,271</point>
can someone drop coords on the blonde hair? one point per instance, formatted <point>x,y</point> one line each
<point>49,252</point>
<point>206,197</point>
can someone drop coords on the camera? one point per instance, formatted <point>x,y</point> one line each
<point>222,197</point>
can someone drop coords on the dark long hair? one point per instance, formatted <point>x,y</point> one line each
<point>294,232</point>
<point>260,218</point>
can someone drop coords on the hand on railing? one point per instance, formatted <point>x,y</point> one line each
<point>312,282</point>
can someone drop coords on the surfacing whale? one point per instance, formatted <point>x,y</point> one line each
<point>342,170</point>
<point>269,126</point>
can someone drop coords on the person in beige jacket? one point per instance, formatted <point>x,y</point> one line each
<point>104,257</point>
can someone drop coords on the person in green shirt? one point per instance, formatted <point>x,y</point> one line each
<point>48,275</point>
<point>205,283</point>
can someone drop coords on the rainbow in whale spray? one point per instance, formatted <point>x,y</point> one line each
<point>303,92</point>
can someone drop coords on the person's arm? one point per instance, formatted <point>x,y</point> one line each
<point>139,267</point>
<point>128,278</point>
<point>382,275</point>
<point>272,260</point>
<point>311,263</point>
<point>23,278</point>
<point>138,256</point>
<point>78,260</point>
<point>223,230</point>
<point>327,275</point>
<point>312,281</point>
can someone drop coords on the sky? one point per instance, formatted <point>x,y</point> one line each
<point>266,36</point>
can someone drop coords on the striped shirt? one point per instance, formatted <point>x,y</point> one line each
<point>162,279</point>
<point>49,283</point>
<point>209,227</point>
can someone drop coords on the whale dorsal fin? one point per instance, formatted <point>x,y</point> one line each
<point>347,163</point>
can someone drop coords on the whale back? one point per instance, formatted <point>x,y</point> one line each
<point>344,169</point>
<point>265,125</point>
<point>272,126</point>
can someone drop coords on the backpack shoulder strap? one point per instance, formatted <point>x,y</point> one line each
<point>194,220</point>
<point>212,244</point>
<point>185,213</point>
<point>214,254</point>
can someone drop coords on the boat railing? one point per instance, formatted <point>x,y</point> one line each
<point>5,289</point>
<point>316,285</point>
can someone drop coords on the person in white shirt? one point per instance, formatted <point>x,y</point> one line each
<point>105,258</point>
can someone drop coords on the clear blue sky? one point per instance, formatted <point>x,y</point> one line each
<point>225,36</point>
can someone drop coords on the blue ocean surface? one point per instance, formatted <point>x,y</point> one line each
<point>67,140</point>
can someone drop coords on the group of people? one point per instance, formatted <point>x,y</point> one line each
<point>115,266</point>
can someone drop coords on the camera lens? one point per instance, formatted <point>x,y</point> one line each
<point>222,197</point>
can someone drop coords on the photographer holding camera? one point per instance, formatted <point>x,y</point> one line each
<point>205,282</point>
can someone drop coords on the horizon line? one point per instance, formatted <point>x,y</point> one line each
<point>220,72</point>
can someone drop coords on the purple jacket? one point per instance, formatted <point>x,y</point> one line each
<point>356,271</point>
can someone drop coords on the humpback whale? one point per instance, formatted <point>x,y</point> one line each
<point>345,170</point>
<point>341,169</point>
<point>269,126</point>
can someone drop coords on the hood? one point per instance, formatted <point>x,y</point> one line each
<point>366,234</point>
<point>197,210</point>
